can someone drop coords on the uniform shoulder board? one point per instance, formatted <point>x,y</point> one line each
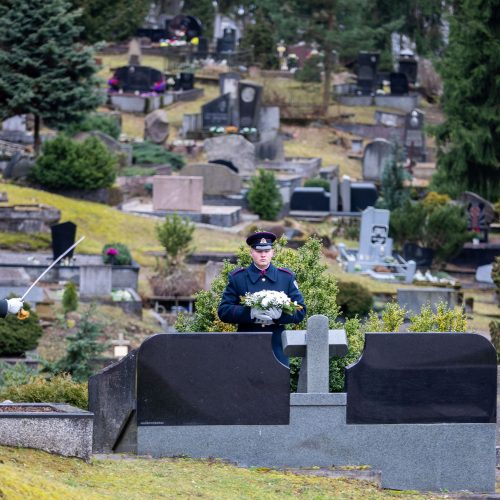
<point>285,270</point>
<point>236,271</point>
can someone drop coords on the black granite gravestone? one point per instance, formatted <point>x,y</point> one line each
<point>63,236</point>
<point>367,71</point>
<point>410,68</point>
<point>249,97</point>
<point>184,81</point>
<point>216,113</point>
<point>363,195</point>
<point>398,83</point>
<point>423,378</point>
<point>136,78</point>
<point>227,43</point>
<point>310,199</point>
<point>203,48</point>
<point>422,256</point>
<point>211,379</point>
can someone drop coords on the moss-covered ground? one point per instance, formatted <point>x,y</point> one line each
<point>30,474</point>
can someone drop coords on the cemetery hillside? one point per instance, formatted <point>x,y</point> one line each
<point>249,249</point>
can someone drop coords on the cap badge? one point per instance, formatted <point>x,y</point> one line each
<point>263,240</point>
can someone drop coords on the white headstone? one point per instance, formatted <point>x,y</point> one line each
<point>376,156</point>
<point>374,241</point>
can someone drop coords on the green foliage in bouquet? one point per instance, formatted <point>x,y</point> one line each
<point>16,336</point>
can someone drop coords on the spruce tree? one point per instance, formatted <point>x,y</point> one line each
<point>469,140</point>
<point>44,70</point>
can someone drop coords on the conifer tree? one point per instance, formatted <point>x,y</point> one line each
<point>44,70</point>
<point>469,140</point>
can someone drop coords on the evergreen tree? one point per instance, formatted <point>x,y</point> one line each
<point>44,71</point>
<point>394,193</point>
<point>469,140</point>
<point>110,20</point>
<point>264,197</point>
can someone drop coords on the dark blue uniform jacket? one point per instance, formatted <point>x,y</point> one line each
<point>250,280</point>
<point>3,308</point>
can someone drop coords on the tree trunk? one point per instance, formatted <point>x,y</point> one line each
<point>36,134</point>
<point>328,65</point>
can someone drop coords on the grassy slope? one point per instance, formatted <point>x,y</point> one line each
<point>101,224</point>
<point>28,474</point>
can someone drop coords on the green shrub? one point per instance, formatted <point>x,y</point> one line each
<point>17,374</point>
<point>106,124</point>
<point>394,193</point>
<point>406,223</point>
<point>318,287</point>
<point>264,197</point>
<point>318,182</point>
<point>495,337</point>
<point>311,70</point>
<point>16,336</point>
<point>70,298</point>
<point>59,389</point>
<point>434,200</point>
<point>122,258</point>
<point>83,350</point>
<point>446,231</point>
<point>391,320</point>
<point>66,164</point>
<point>175,235</point>
<point>148,152</point>
<point>134,171</point>
<point>495,273</point>
<point>354,299</point>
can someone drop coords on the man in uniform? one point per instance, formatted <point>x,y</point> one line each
<point>12,306</point>
<point>261,275</point>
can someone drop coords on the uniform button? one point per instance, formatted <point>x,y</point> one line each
<point>263,279</point>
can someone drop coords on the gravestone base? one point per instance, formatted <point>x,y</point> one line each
<point>411,456</point>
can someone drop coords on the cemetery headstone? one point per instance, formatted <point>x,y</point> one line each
<point>310,199</point>
<point>367,72</point>
<point>177,193</point>
<point>249,97</point>
<point>95,281</point>
<point>233,148</point>
<point>217,113</point>
<point>422,256</point>
<point>345,193</point>
<point>227,43</point>
<point>413,298</point>
<point>134,52</point>
<point>414,137</point>
<point>156,126</point>
<point>15,123</point>
<point>363,195</point>
<point>18,166</point>
<point>374,241</point>
<point>376,155</point>
<point>184,81</point>
<point>113,146</point>
<point>137,78</point>
<point>409,66</point>
<point>228,84</point>
<point>63,236</point>
<point>399,84</point>
<point>481,213</point>
<point>217,179</point>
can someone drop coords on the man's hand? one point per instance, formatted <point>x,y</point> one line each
<point>14,305</point>
<point>274,312</point>
<point>260,316</point>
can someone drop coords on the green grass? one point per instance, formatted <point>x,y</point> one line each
<point>30,474</point>
<point>101,224</point>
<point>25,241</point>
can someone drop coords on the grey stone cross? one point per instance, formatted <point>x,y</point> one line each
<point>316,346</point>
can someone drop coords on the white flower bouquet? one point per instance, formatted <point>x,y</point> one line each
<point>267,299</point>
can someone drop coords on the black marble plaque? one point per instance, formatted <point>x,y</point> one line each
<point>249,96</point>
<point>217,113</point>
<point>314,199</point>
<point>423,378</point>
<point>399,84</point>
<point>410,68</point>
<point>363,195</point>
<point>211,379</point>
<point>137,78</point>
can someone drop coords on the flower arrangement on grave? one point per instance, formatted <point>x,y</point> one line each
<point>268,299</point>
<point>116,254</point>
<point>231,129</point>
<point>216,130</point>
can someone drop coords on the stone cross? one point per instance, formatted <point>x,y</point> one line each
<point>316,346</point>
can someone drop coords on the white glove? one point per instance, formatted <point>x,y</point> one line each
<point>260,316</point>
<point>274,312</point>
<point>14,305</point>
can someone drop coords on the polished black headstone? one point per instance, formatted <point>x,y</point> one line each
<point>363,195</point>
<point>211,379</point>
<point>367,71</point>
<point>313,199</point>
<point>184,81</point>
<point>137,78</point>
<point>423,378</point>
<point>63,236</point>
<point>399,84</point>
<point>422,256</point>
<point>227,43</point>
<point>410,68</point>
<point>249,97</point>
<point>217,113</point>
